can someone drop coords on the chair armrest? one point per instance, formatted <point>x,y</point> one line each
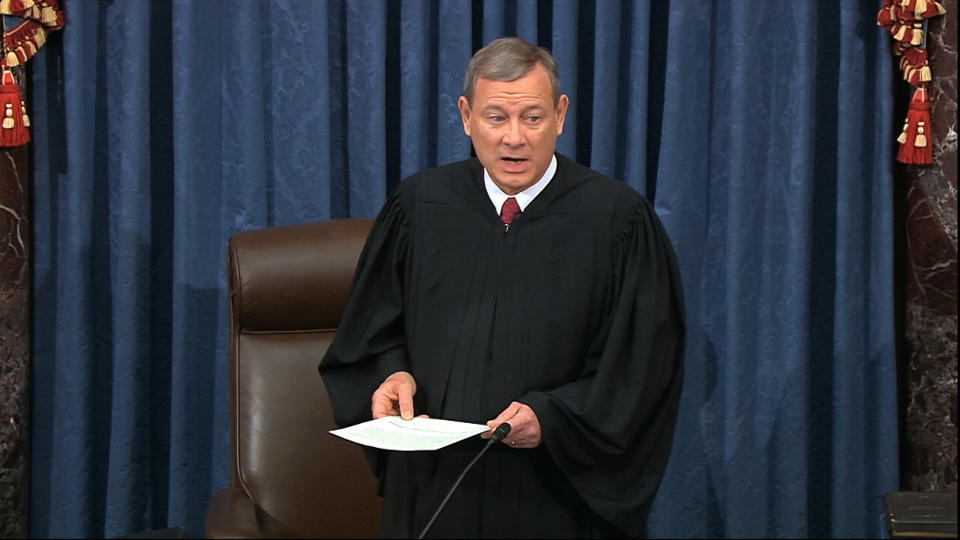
<point>231,514</point>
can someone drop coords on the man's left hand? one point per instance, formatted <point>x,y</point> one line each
<point>524,426</point>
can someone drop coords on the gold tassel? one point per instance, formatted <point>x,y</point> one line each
<point>8,117</point>
<point>48,16</point>
<point>925,75</point>
<point>12,59</point>
<point>921,140</point>
<point>26,119</point>
<point>903,134</point>
<point>900,33</point>
<point>917,34</point>
<point>5,6</point>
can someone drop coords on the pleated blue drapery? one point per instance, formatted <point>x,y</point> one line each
<point>761,130</point>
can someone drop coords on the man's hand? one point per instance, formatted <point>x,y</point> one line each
<point>394,396</point>
<point>524,426</point>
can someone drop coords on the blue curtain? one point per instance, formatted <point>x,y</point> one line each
<point>761,130</point>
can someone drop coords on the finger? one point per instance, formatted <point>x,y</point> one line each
<point>505,415</point>
<point>494,424</point>
<point>381,408</point>
<point>405,392</point>
<point>527,434</point>
<point>509,416</point>
<point>383,402</point>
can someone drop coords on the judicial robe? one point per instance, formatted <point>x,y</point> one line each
<point>576,311</point>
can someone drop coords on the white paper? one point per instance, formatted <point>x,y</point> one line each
<point>395,433</point>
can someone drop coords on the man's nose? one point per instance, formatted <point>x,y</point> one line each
<point>513,135</point>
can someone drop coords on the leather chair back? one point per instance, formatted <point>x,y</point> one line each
<point>287,289</point>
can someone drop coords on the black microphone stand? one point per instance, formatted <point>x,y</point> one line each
<point>497,436</point>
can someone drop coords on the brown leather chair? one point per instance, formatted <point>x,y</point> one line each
<point>291,478</point>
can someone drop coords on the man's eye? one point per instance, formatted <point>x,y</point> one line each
<point>497,119</point>
<point>533,119</point>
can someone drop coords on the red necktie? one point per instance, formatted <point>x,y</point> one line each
<point>509,211</point>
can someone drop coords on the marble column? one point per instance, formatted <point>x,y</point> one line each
<point>14,340</point>
<point>928,270</point>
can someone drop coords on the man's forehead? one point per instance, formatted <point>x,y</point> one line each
<point>536,75</point>
<point>501,104</point>
<point>512,91</point>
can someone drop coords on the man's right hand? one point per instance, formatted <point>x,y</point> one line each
<point>394,396</point>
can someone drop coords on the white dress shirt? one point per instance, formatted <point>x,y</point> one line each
<point>526,196</point>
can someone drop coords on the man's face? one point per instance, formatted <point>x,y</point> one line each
<point>514,127</point>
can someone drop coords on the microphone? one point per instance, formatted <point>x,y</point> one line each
<point>497,436</point>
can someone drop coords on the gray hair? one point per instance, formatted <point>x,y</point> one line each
<point>507,59</point>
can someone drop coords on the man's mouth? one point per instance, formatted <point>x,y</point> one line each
<point>514,161</point>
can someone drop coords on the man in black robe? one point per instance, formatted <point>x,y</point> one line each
<point>565,321</point>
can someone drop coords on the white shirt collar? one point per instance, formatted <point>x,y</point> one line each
<point>526,196</point>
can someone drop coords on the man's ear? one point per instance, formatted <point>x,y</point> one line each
<point>562,105</point>
<point>464,107</point>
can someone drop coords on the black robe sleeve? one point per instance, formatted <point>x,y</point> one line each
<point>611,430</point>
<point>369,344</point>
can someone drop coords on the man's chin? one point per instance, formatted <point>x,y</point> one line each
<point>513,183</point>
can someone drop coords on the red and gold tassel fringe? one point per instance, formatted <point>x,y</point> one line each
<point>904,20</point>
<point>915,67</point>
<point>14,126</point>
<point>915,147</point>
<point>907,32</point>
<point>20,43</point>
<point>915,10</point>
